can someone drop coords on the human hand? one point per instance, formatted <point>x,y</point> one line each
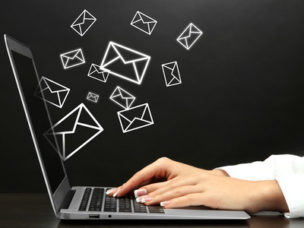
<point>162,168</point>
<point>186,185</point>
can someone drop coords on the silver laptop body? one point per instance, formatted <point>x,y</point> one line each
<point>83,203</point>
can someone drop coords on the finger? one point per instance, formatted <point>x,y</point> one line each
<point>158,169</point>
<point>174,183</point>
<point>173,193</point>
<point>194,199</point>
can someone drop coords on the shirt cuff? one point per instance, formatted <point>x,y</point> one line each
<point>293,191</point>
<point>250,171</point>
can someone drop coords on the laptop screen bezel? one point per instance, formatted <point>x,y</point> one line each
<point>64,187</point>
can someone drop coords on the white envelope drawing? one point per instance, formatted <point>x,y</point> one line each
<point>122,97</point>
<point>74,131</point>
<point>189,36</point>
<point>52,92</point>
<point>135,118</point>
<point>93,97</point>
<point>98,74</point>
<point>171,74</point>
<point>125,63</point>
<point>143,22</point>
<point>72,58</point>
<point>83,22</point>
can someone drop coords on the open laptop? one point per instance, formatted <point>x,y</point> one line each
<point>83,202</point>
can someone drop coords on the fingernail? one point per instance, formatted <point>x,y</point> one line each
<point>108,192</point>
<point>164,203</point>
<point>140,192</point>
<point>145,199</point>
<point>115,194</point>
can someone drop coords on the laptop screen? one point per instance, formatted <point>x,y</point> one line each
<point>38,113</point>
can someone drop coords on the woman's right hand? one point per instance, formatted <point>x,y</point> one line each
<point>186,185</point>
<point>163,169</point>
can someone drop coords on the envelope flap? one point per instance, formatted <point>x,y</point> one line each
<point>63,95</point>
<point>129,55</point>
<point>73,54</point>
<point>92,95</point>
<point>92,69</point>
<point>43,84</point>
<point>72,141</point>
<point>96,67</point>
<point>169,66</point>
<point>137,17</point>
<point>146,19</point>
<point>95,70</point>
<point>86,118</point>
<point>116,93</point>
<point>110,56</point>
<point>88,16</point>
<point>186,33</point>
<point>122,68</point>
<point>83,17</point>
<point>54,86</point>
<point>50,97</point>
<point>67,124</point>
<point>194,29</point>
<point>80,19</point>
<point>125,94</point>
<point>135,112</point>
<point>146,115</point>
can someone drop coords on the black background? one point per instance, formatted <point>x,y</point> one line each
<point>241,99</point>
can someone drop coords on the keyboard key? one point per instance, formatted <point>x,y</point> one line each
<point>85,199</point>
<point>156,209</point>
<point>125,205</point>
<point>96,199</point>
<point>110,204</point>
<point>139,208</point>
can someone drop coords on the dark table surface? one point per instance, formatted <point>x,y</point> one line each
<point>34,210</point>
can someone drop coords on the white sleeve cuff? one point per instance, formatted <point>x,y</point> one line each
<point>293,190</point>
<point>250,171</point>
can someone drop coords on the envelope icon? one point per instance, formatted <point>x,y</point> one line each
<point>83,22</point>
<point>93,97</point>
<point>125,63</point>
<point>98,74</point>
<point>189,36</point>
<point>171,74</point>
<point>72,58</point>
<point>74,131</point>
<point>143,22</point>
<point>135,118</point>
<point>123,98</point>
<point>52,92</point>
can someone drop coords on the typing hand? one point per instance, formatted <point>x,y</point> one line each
<point>186,185</point>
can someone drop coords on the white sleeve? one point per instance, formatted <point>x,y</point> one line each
<point>288,170</point>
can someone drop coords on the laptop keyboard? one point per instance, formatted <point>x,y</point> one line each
<point>95,199</point>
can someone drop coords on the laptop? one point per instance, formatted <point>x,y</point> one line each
<point>83,202</point>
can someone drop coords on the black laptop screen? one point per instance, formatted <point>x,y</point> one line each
<point>39,117</point>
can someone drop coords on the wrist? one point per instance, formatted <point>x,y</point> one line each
<point>220,172</point>
<point>266,195</point>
